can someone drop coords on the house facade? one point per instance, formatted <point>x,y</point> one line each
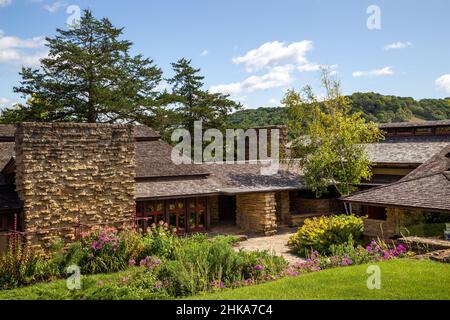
<point>57,176</point>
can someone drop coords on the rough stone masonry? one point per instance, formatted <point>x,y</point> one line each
<point>66,168</point>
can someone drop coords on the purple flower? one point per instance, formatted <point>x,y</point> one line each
<point>132,262</point>
<point>217,284</point>
<point>158,285</point>
<point>401,249</point>
<point>258,267</point>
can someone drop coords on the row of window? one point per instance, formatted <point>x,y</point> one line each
<point>187,215</point>
<point>418,131</point>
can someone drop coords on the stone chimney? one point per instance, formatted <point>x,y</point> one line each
<point>63,169</point>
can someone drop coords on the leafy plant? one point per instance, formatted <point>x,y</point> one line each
<point>320,233</point>
<point>22,266</point>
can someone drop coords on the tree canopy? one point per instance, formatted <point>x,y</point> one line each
<point>193,103</point>
<point>373,106</point>
<point>88,76</point>
<point>91,76</point>
<point>328,138</point>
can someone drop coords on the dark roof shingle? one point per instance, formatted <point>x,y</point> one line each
<point>427,187</point>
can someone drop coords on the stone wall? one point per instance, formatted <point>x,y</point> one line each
<point>66,168</point>
<point>383,229</point>
<point>256,212</point>
<point>283,207</point>
<point>213,205</point>
<point>318,206</point>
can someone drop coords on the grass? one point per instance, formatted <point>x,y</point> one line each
<point>400,279</point>
<point>57,290</point>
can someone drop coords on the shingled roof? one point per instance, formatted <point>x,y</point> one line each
<point>153,159</point>
<point>403,152</point>
<point>427,187</point>
<point>417,124</point>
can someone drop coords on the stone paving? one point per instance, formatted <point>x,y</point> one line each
<point>276,244</point>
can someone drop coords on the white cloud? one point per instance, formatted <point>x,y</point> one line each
<point>17,51</point>
<point>271,54</point>
<point>276,77</point>
<point>4,3</point>
<point>204,52</point>
<point>443,82</point>
<point>386,71</point>
<point>398,45</point>
<point>5,102</point>
<point>55,6</point>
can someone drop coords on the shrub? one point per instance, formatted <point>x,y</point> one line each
<point>104,250</point>
<point>138,284</point>
<point>203,264</point>
<point>21,266</point>
<point>320,233</point>
<point>160,240</point>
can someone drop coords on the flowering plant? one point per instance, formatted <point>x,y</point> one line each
<point>382,251</point>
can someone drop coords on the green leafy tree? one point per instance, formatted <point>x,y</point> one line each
<point>329,140</point>
<point>90,76</point>
<point>193,103</point>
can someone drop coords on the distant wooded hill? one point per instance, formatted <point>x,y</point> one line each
<point>374,106</point>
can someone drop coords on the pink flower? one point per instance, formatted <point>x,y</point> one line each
<point>100,283</point>
<point>132,262</point>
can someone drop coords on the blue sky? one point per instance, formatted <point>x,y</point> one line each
<point>255,50</point>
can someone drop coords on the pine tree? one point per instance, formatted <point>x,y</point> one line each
<point>194,103</point>
<point>89,76</point>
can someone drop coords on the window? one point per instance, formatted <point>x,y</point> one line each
<point>424,131</point>
<point>405,131</point>
<point>197,214</point>
<point>177,213</point>
<point>183,214</point>
<point>443,130</point>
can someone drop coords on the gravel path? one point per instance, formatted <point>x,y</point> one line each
<point>277,244</point>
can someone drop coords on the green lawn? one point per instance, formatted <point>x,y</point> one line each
<point>57,290</point>
<point>400,279</point>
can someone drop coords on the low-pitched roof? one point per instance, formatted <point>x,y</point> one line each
<point>173,187</point>
<point>427,187</point>
<point>248,177</point>
<point>417,124</point>
<point>6,153</point>
<point>153,159</point>
<point>223,179</point>
<point>403,152</point>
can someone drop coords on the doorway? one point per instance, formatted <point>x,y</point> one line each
<point>227,209</point>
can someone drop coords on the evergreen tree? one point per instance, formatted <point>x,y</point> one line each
<point>89,76</point>
<point>194,103</point>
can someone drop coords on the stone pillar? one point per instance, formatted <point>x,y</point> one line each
<point>213,204</point>
<point>256,212</point>
<point>63,169</point>
<point>284,206</point>
<point>393,221</point>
